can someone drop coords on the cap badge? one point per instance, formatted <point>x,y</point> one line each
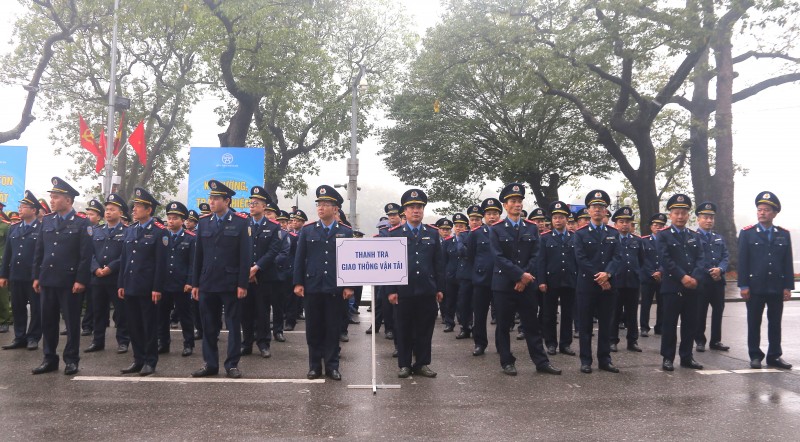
<point>55,181</point>
<point>767,196</point>
<point>322,191</point>
<point>414,194</point>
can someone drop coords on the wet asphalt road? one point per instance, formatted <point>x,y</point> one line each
<point>470,399</point>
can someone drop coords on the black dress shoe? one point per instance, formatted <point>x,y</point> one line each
<point>187,351</point>
<point>93,348</point>
<point>691,363</point>
<point>634,346</point>
<point>205,371</point>
<point>551,350</point>
<point>700,348</point>
<point>369,330</point>
<point>265,353</point>
<point>463,334</point>
<point>425,371</point>
<point>335,375</point>
<point>174,325</point>
<point>755,363</point>
<point>122,348</point>
<point>163,350</point>
<point>279,337</point>
<point>288,327</point>
<point>613,348</point>
<point>779,363</point>
<point>667,365</point>
<point>14,345</point>
<point>198,335</point>
<point>70,369</point>
<point>394,353</point>
<point>33,345</point>
<point>352,320</point>
<point>314,374</point>
<point>62,333</point>
<point>247,350</point>
<point>586,369</point>
<point>493,321</point>
<point>233,373</point>
<point>404,373</point>
<point>567,351</point>
<point>389,335</point>
<point>146,370</point>
<point>719,346</point>
<point>478,351</point>
<point>133,368</point>
<point>576,334</point>
<point>448,328</point>
<point>609,368</point>
<point>644,333</point>
<point>510,369</point>
<point>520,336</point>
<point>344,338</point>
<point>548,368</point>
<point>45,368</point>
<point>86,332</point>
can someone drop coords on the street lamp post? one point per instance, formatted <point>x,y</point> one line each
<point>359,82</point>
<point>109,173</point>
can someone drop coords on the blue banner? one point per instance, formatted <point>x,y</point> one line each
<point>239,168</point>
<point>12,175</point>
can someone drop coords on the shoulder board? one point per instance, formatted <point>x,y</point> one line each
<point>584,227</point>
<point>310,223</point>
<point>376,236</point>
<point>50,215</point>
<point>529,221</point>
<point>664,228</point>
<point>292,233</point>
<point>449,238</point>
<point>241,215</point>
<point>206,215</point>
<point>499,222</point>
<point>271,220</point>
<point>476,228</point>
<point>158,224</point>
<point>611,228</point>
<point>395,227</point>
<point>636,236</point>
<point>189,232</point>
<point>545,232</point>
<point>432,226</point>
<point>748,227</point>
<point>781,229</point>
<point>5,221</point>
<point>14,223</point>
<point>690,230</point>
<point>80,215</point>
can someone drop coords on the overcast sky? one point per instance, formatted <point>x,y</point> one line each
<point>766,134</point>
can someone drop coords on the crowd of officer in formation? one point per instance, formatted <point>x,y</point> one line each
<point>556,273</point>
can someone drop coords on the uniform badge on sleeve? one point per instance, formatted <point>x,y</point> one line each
<point>249,231</point>
<point>89,230</point>
<point>165,240</point>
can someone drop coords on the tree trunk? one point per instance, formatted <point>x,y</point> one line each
<point>544,194</point>
<point>238,127</point>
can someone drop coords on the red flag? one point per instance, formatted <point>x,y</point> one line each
<point>87,137</point>
<point>101,156</point>
<point>118,136</point>
<point>137,141</point>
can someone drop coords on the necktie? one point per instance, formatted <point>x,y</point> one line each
<point>58,221</point>
<point>415,231</point>
<point>327,231</point>
<point>624,240</point>
<point>708,237</point>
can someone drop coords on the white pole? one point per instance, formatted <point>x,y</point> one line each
<point>112,89</point>
<point>374,332</point>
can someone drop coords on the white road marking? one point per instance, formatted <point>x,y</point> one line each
<point>208,380</point>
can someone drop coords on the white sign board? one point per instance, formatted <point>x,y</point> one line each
<point>371,261</point>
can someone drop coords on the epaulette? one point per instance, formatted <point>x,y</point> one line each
<point>545,232</point>
<point>476,228</point>
<point>448,238</point>
<point>395,227</point>
<point>611,228</point>
<point>273,221</point>
<point>14,223</point>
<point>664,228</point>
<point>432,226</point>
<point>80,215</point>
<point>376,236</point>
<point>206,215</point>
<point>499,222</point>
<point>781,228</point>
<point>292,233</point>
<point>529,221</point>
<point>189,232</point>
<point>241,215</point>
<point>636,236</point>
<point>748,227</point>
<point>690,230</point>
<point>584,226</point>
<point>5,221</point>
<point>310,223</point>
<point>158,224</point>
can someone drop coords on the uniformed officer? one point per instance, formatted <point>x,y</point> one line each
<point>596,247</point>
<point>479,253</point>
<point>514,242</point>
<point>450,256</point>
<point>107,243</point>
<point>572,224</point>
<point>556,273</point>
<point>385,313</point>
<point>651,278</point>
<point>263,276</point>
<point>463,296</point>
<point>94,213</point>
<point>191,221</point>
<point>223,254</point>
<point>415,303</point>
<point>60,273</point>
<point>539,217</point>
<point>766,278</point>
<point>284,263</point>
<point>582,218</point>
<point>141,281</point>
<point>684,265</point>
<point>294,304</point>
<point>626,279</point>
<point>177,291</point>
<point>16,268</point>
<point>315,281</point>
<point>712,288</point>
<point>205,209</point>
<point>5,311</point>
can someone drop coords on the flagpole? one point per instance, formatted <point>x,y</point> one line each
<point>112,89</point>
